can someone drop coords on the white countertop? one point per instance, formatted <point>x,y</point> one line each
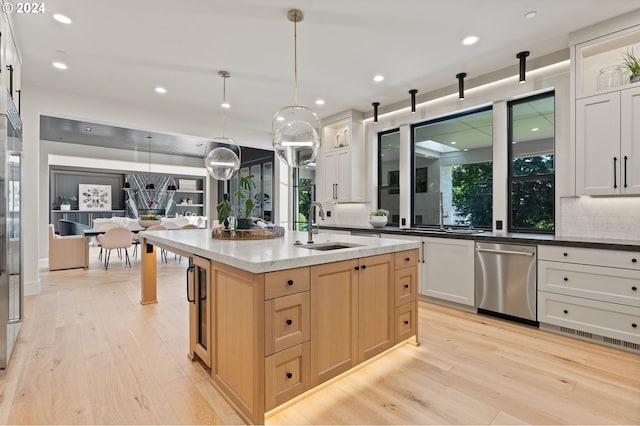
<point>260,256</point>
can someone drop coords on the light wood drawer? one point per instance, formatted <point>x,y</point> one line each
<point>614,285</point>
<point>406,285</point>
<point>286,322</point>
<point>288,281</point>
<point>405,321</point>
<point>286,375</point>
<point>405,259</point>
<point>588,256</point>
<point>602,318</point>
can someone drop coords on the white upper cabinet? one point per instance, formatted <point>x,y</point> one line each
<point>341,162</point>
<point>607,115</point>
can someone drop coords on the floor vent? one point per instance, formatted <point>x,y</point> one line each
<point>579,334</point>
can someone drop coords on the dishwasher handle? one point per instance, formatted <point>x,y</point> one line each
<point>521,253</point>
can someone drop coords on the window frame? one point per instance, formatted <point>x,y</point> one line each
<point>514,179</point>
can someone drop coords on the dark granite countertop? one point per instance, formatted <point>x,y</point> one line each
<point>501,237</point>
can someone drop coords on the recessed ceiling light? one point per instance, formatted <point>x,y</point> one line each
<point>535,129</point>
<point>87,129</point>
<point>472,39</point>
<point>280,118</point>
<point>61,18</point>
<point>378,78</point>
<point>466,149</point>
<point>225,105</point>
<point>161,89</point>
<point>453,142</point>
<point>319,101</point>
<point>59,65</point>
<point>530,15</point>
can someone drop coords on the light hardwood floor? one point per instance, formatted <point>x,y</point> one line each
<point>89,353</point>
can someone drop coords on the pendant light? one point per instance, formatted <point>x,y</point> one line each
<point>296,129</point>
<point>460,78</point>
<point>375,111</point>
<point>221,161</point>
<point>149,186</point>
<point>413,92</point>
<point>522,57</point>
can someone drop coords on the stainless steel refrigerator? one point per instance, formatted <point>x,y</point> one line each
<point>11,279</point>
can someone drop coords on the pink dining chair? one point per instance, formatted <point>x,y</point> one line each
<point>118,237</point>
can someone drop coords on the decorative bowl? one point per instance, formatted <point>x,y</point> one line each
<point>145,223</point>
<point>378,221</point>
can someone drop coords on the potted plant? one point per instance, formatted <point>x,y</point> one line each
<point>243,195</point>
<point>632,63</point>
<point>224,210</point>
<point>148,218</point>
<point>378,218</point>
<point>65,201</point>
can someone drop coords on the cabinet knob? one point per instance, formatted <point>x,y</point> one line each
<point>566,279</point>
<point>406,286</point>
<point>289,375</point>
<point>357,268</point>
<point>290,282</point>
<point>289,322</point>
<point>364,266</point>
<point>565,311</point>
<point>634,325</point>
<point>565,254</point>
<point>407,259</point>
<point>634,288</point>
<point>405,322</point>
<point>634,260</point>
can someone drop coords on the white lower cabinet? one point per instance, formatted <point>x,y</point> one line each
<point>590,291</point>
<point>448,270</point>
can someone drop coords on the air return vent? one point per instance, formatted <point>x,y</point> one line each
<point>584,335</point>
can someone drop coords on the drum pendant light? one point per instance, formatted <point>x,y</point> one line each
<point>220,159</point>
<point>296,129</point>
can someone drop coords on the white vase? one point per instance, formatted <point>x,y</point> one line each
<point>65,206</point>
<point>378,221</point>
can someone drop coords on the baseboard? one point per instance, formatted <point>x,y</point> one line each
<point>32,288</point>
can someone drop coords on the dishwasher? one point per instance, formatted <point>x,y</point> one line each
<point>506,281</point>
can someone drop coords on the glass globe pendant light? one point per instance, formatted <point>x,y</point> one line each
<point>296,129</point>
<point>221,161</point>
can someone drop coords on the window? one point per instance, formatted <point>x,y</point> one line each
<point>531,163</point>
<point>389,174</point>
<point>453,156</point>
<point>303,194</point>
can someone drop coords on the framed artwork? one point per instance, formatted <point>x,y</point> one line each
<point>94,197</point>
<point>421,179</point>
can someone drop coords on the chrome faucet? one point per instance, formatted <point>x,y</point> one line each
<point>310,230</point>
<point>442,215</point>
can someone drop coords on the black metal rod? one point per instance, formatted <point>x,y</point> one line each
<point>522,56</point>
<point>460,78</point>
<point>10,68</point>
<point>375,111</point>
<point>19,92</point>
<point>413,92</point>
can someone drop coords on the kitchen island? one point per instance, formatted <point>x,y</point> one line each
<point>274,318</point>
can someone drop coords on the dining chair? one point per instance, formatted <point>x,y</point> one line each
<point>117,237</point>
<point>103,226</point>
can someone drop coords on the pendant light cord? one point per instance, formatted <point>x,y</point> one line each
<point>224,101</point>
<point>295,61</point>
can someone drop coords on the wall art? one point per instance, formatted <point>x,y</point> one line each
<point>94,197</point>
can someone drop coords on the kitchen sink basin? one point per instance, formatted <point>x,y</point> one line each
<point>329,246</point>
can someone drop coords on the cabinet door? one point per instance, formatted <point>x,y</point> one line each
<point>630,141</point>
<point>199,289</point>
<point>598,161</point>
<point>334,319</point>
<point>329,171</point>
<point>343,180</point>
<point>375,305</point>
<point>449,269</point>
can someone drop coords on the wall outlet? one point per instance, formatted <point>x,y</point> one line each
<point>328,213</point>
<point>498,225</point>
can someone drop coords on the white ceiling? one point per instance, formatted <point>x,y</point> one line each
<point>121,49</point>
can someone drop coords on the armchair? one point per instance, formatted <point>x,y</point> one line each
<point>66,252</point>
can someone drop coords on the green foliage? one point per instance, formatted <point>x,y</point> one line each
<point>532,198</point>
<point>302,222</point>
<point>379,212</point>
<point>631,62</point>
<point>243,194</point>
<point>304,200</point>
<point>473,192</point>
<point>224,209</point>
<point>66,199</point>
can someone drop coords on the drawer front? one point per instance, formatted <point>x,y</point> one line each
<point>406,320</point>
<point>286,322</point>
<point>587,256</point>
<point>282,283</point>
<point>286,375</point>
<point>614,285</point>
<point>602,318</point>
<point>405,259</point>
<point>406,286</point>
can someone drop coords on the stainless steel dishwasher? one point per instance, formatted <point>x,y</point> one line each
<point>506,280</point>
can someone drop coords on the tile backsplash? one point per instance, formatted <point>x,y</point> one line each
<point>600,217</point>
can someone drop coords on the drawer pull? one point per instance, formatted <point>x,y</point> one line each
<point>565,311</point>
<point>407,259</point>
<point>634,288</point>
<point>566,279</point>
<point>634,325</point>
<point>634,260</point>
<point>406,286</point>
<point>289,322</point>
<point>565,254</point>
<point>289,375</point>
<point>406,322</point>
<point>357,268</point>
<point>364,267</point>
<point>290,282</point>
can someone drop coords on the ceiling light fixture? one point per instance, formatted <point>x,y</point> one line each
<point>472,39</point>
<point>535,129</point>
<point>160,89</point>
<point>300,123</point>
<point>530,15</point>
<point>319,101</point>
<point>62,18</point>
<point>413,92</point>
<point>221,161</point>
<point>522,56</point>
<point>87,129</point>
<point>378,78</point>
<point>375,111</point>
<point>59,65</point>
<point>460,78</point>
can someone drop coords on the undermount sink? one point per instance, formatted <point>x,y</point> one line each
<point>464,231</point>
<point>329,246</point>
